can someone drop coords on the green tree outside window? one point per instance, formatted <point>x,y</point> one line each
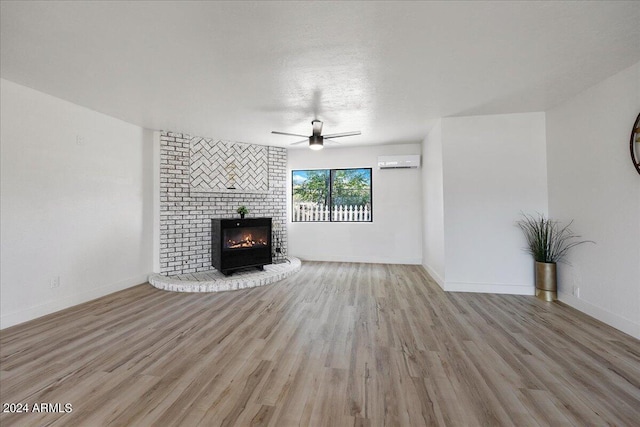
<point>315,191</point>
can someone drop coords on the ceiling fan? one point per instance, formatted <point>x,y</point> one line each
<point>316,140</point>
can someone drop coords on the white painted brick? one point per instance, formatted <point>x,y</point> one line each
<point>185,217</point>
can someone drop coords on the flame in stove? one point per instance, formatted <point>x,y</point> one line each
<point>246,241</point>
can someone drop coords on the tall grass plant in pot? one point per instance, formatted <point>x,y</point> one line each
<point>549,242</point>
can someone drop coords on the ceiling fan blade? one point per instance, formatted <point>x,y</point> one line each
<point>340,135</point>
<point>289,134</point>
<point>300,142</point>
<point>331,141</point>
<point>317,127</point>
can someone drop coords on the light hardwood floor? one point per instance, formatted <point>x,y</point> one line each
<point>336,344</point>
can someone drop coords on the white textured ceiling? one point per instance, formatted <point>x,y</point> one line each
<point>237,70</point>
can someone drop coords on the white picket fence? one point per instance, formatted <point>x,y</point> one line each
<point>308,212</point>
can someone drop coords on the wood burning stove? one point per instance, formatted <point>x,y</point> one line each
<point>240,243</point>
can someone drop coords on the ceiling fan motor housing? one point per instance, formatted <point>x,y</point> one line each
<point>316,142</point>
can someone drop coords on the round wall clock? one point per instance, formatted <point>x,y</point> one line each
<point>635,144</point>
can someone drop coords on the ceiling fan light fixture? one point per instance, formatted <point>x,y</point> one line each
<point>316,142</point>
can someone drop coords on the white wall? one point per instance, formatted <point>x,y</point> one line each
<point>494,168</point>
<point>433,205</point>
<point>76,203</point>
<point>593,182</point>
<point>394,236</point>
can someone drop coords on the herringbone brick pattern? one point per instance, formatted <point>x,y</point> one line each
<point>221,165</point>
<point>207,164</point>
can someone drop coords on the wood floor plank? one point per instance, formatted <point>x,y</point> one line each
<point>541,405</point>
<point>336,344</point>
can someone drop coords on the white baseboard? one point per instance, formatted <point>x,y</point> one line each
<point>623,324</point>
<point>435,276</point>
<point>30,313</point>
<point>363,259</point>
<point>490,288</point>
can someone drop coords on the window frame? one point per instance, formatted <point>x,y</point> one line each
<point>330,194</point>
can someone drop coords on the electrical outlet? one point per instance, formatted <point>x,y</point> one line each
<point>55,282</point>
<point>577,292</point>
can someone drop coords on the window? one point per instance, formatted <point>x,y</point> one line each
<point>322,195</point>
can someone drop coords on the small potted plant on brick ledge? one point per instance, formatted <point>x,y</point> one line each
<point>242,210</point>
<point>548,242</point>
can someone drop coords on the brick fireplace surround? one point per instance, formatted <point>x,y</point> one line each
<point>185,215</point>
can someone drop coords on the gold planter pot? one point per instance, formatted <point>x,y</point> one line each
<point>546,281</point>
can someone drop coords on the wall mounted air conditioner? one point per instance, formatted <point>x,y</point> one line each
<point>411,161</point>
